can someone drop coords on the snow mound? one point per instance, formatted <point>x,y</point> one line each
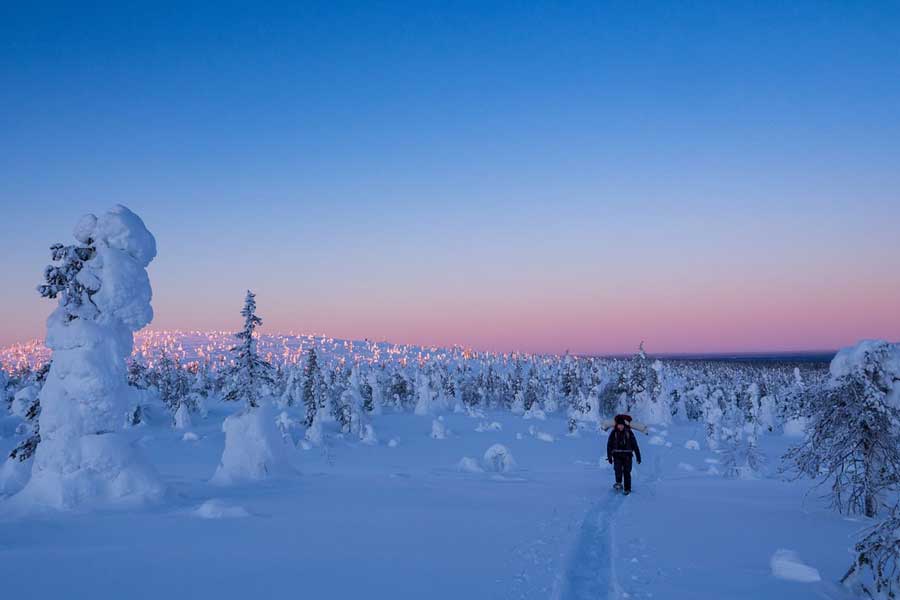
<point>439,431</point>
<point>786,565</point>
<point>657,440</point>
<point>254,448</point>
<point>535,413</point>
<point>484,426</point>
<point>217,509</point>
<point>498,459</point>
<point>23,400</point>
<point>796,428</point>
<point>393,443</point>
<point>368,436</point>
<point>313,435</point>
<point>469,465</point>
<point>100,470</point>
<point>14,474</point>
<point>692,445</point>
<point>685,467</point>
<point>190,436</point>
<point>183,417</point>
<point>544,437</point>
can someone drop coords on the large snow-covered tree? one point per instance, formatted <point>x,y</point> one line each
<point>853,442</point>
<point>103,295</point>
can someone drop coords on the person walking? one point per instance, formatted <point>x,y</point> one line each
<point>620,447</point>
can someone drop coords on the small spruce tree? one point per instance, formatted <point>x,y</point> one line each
<point>250,373</point>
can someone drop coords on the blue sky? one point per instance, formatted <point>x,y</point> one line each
<point>495,174</point>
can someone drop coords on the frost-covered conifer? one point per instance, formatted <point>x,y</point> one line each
<point>254,446</point>
<point>311,385</point>
<point>251,376</point>
<point>853,442</point>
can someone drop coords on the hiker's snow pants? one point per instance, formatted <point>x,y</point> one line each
<point>622,466</point>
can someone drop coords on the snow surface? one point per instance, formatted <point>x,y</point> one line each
<point>414,521</point>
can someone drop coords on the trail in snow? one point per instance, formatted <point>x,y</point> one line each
<point>588,575</point>
<point>590,571</point>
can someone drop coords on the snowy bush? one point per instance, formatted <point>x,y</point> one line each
<point>368,436</point>
<point>544,437</point>
<point>218,509</point>
<point>183,417</point>
<point>484,426</point>
<point>254,448</point>
<point>439,431</point>
<point>498,459</point>
<point>469,465</point>
<point>875,571</point>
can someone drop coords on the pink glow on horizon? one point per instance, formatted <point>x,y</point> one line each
<point>720,317</point>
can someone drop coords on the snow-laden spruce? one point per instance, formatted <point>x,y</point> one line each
<point>254,446</point>
<point>103,293</point>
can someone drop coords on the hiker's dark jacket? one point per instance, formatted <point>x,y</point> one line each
<point>622,443</point>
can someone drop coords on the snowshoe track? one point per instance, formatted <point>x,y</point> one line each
<point>588,574</point>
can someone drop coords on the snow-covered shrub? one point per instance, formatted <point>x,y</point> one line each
<point>367,435</point>
<point>875,572</point>
<point>314,436</point>
<point>544,437</point>
<point>254,448</point>
<point>424,394</point>
<point>218,509</point>
<point>498,459</point>
<point>469,465</point>
<point>14,474</point>
<point>438,429</point>
<point>484,426</point>
<point>183,417</point>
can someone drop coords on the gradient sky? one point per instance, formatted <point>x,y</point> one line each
<point>702,176</point>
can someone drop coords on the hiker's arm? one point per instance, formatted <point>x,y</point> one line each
<point>609,445</point>
<point>637,450</point>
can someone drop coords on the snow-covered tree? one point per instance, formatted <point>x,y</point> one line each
<point>311,385</point>
<point>251,376</point>
<point>875,572</point>
<point>103,294</point>
<point>853,442</point>
<point>254,446</point>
